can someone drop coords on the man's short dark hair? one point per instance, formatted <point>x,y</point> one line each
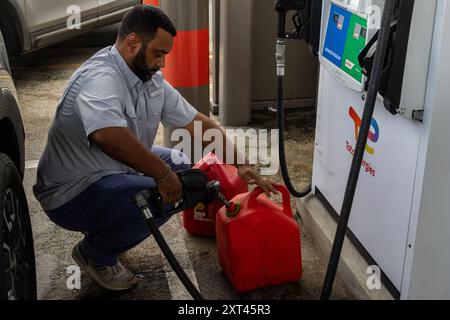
<point>144,20</point>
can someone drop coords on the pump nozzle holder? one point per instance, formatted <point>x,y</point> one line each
<point>283,7</point>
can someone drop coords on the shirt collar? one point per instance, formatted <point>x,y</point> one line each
<point>157,79</point>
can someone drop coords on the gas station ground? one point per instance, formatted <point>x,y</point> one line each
<point>40,78</point>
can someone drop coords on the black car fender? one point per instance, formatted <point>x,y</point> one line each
<point>12,131</point>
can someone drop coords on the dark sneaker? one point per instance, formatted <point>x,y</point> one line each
<point>116,278</point>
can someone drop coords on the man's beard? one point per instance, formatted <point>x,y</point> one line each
<point>140,68</point>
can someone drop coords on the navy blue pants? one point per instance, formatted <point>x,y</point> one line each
<point>108,216</point>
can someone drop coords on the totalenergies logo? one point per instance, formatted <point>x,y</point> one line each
<point>373,135</point>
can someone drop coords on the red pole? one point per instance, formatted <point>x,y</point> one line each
<point>151,2</point>
<point>187,66</point>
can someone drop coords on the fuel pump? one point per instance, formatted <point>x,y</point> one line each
<point>372,92</point>
<point>374,68</point>
<point>378,65</point>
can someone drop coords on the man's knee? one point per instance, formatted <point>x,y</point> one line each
<point>122,187</point>
<point>180,161</point>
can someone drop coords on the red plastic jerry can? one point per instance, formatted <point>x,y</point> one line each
<point>201,220</point>
<point>260,245</point>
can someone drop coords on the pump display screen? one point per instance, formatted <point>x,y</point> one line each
<point>345,39</point>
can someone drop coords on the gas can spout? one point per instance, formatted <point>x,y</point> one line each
<point>232,208</point>
<point>224,200</point>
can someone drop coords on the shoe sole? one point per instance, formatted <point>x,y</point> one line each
<point>91,272</point>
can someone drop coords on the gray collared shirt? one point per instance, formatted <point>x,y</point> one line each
<point>102,93</point>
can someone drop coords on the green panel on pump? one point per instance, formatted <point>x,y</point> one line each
<point>356,41</point>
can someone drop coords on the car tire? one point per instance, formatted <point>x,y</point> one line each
<point>17,262</point>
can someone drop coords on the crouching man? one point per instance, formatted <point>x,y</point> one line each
<point>100,148</point>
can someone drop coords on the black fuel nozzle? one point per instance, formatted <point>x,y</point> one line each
<point>283,7</point>
<point>141,200</point>
<point>212,192</point>
<point>195,189</point>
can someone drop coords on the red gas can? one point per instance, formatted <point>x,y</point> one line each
<point>260,245</point>
<point>201,220</point>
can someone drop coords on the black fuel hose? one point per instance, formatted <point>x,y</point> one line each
<point>142,203</point>
<point>281,146</point>
<point>173,261</point>
<point>369,107</point>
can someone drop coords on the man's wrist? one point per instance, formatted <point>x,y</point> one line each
<point>165,177</point>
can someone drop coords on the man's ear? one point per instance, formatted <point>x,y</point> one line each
<point>133,43</point>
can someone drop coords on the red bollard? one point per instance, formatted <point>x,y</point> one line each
<point>187,66</point>
<point>151,2</point>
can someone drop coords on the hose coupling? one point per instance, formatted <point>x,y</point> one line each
<point>281,56</point>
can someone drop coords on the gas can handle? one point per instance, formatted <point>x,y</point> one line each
<point>284,192</point>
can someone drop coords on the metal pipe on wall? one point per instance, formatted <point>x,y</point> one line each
<point>215,38</point>
<point>235,94</point>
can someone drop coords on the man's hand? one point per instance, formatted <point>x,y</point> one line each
<point>247,173</point>
<point>171,189</point>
